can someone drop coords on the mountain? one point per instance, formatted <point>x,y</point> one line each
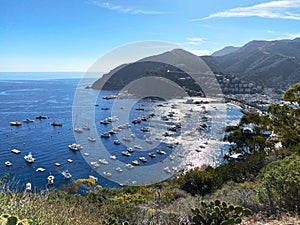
<point>225,51</point>
<point>273,64</point>
<point>167,68</point>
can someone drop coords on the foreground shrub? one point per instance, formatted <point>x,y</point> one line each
<point>279,186</point>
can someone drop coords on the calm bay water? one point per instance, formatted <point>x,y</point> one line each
<point>21,99</point>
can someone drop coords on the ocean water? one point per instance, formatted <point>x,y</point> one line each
<point>21,99</point>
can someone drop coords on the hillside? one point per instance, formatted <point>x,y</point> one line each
<point>274,64</point>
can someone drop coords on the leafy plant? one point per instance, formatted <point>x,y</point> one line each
<point>217,212</point>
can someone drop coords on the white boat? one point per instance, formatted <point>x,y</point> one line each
<point>126,139</point>
<point>133,135</point>
<point>67,175</point>
<point>78,130</point>
<point>126,153</point>
<point>107,174</point>
<point>15,123</point>
<point>28,186</point>
<point>129,166</point>
<point>86,127</point>
<point>95,164</point>
<point>94,178</point>
<point>28,121</point>
<point>40,169</point>
<point>119,169</point>
<point>103,161</point>
<point>29,158</point>
<point>135,162</point>
<point>152,155</point>
<point>138,147</point>
<point>105,122</point>
<point>91,139</point>
<point>8,163</point>
<point>149,141</point>
<point>105,135</point>
<point>86,154</point>
<point>113,157</point>
<point>50,179</point>
<point>69,160</point>
<point>129,149</point>
<point>75,147</point>
<point>57,164</point>
<point>161,152</point>
<point>117,142</point>
<point>143,159</point>
<point>16,151</point>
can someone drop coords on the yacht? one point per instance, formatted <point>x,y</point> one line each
<point>75,147</point>
<point>29,158</point>
<point>8,163</point>
<point>16,151</point>
<point>105,135</point>
<point>40,169</point>
<point>28,186</point>
<point>78,130</point>
<point>143,159</point>
<point>67,175</point>
<point>119,169</point>
<point>126,153</point>
<point>129,166</point>
<point>138,147</point>
<point>50,179</point>
<point>16,123</point>
<point>117,142</point>
<point>91,139</point>
<point>113,157</point>
<point>161,152</point>
<point>135,162</point>
<point>103,161</point>
<point>107,174</point>
<point>28,121</point>
<point>152,155</point>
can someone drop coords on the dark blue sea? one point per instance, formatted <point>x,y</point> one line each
<point>21,99</point>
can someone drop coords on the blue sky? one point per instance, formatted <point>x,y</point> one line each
<point>70,35</point>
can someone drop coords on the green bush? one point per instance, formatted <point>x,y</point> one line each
<point>279,186</point>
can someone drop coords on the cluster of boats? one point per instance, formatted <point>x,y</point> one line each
<point>27,120</point>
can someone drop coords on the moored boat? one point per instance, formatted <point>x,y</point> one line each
<point>129,166</point>
<point>67,175</point>
<point>143,159</point>
<point>16,151</point>
<point>75,147</point>
<point>28,120</point>
<point>8,163</point>
<point>50,179</point>
<point>29,158</point>
<point>56,124</point>
<point>15,123</point>
<point>117,142</point>
<point>135,162</point>
<point>91,139</point>
<point>126,153</point>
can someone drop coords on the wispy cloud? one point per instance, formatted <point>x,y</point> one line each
<point>280,9</point>
<point>291,35</point>
<point>195,40</point>
<point>123,9</point>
